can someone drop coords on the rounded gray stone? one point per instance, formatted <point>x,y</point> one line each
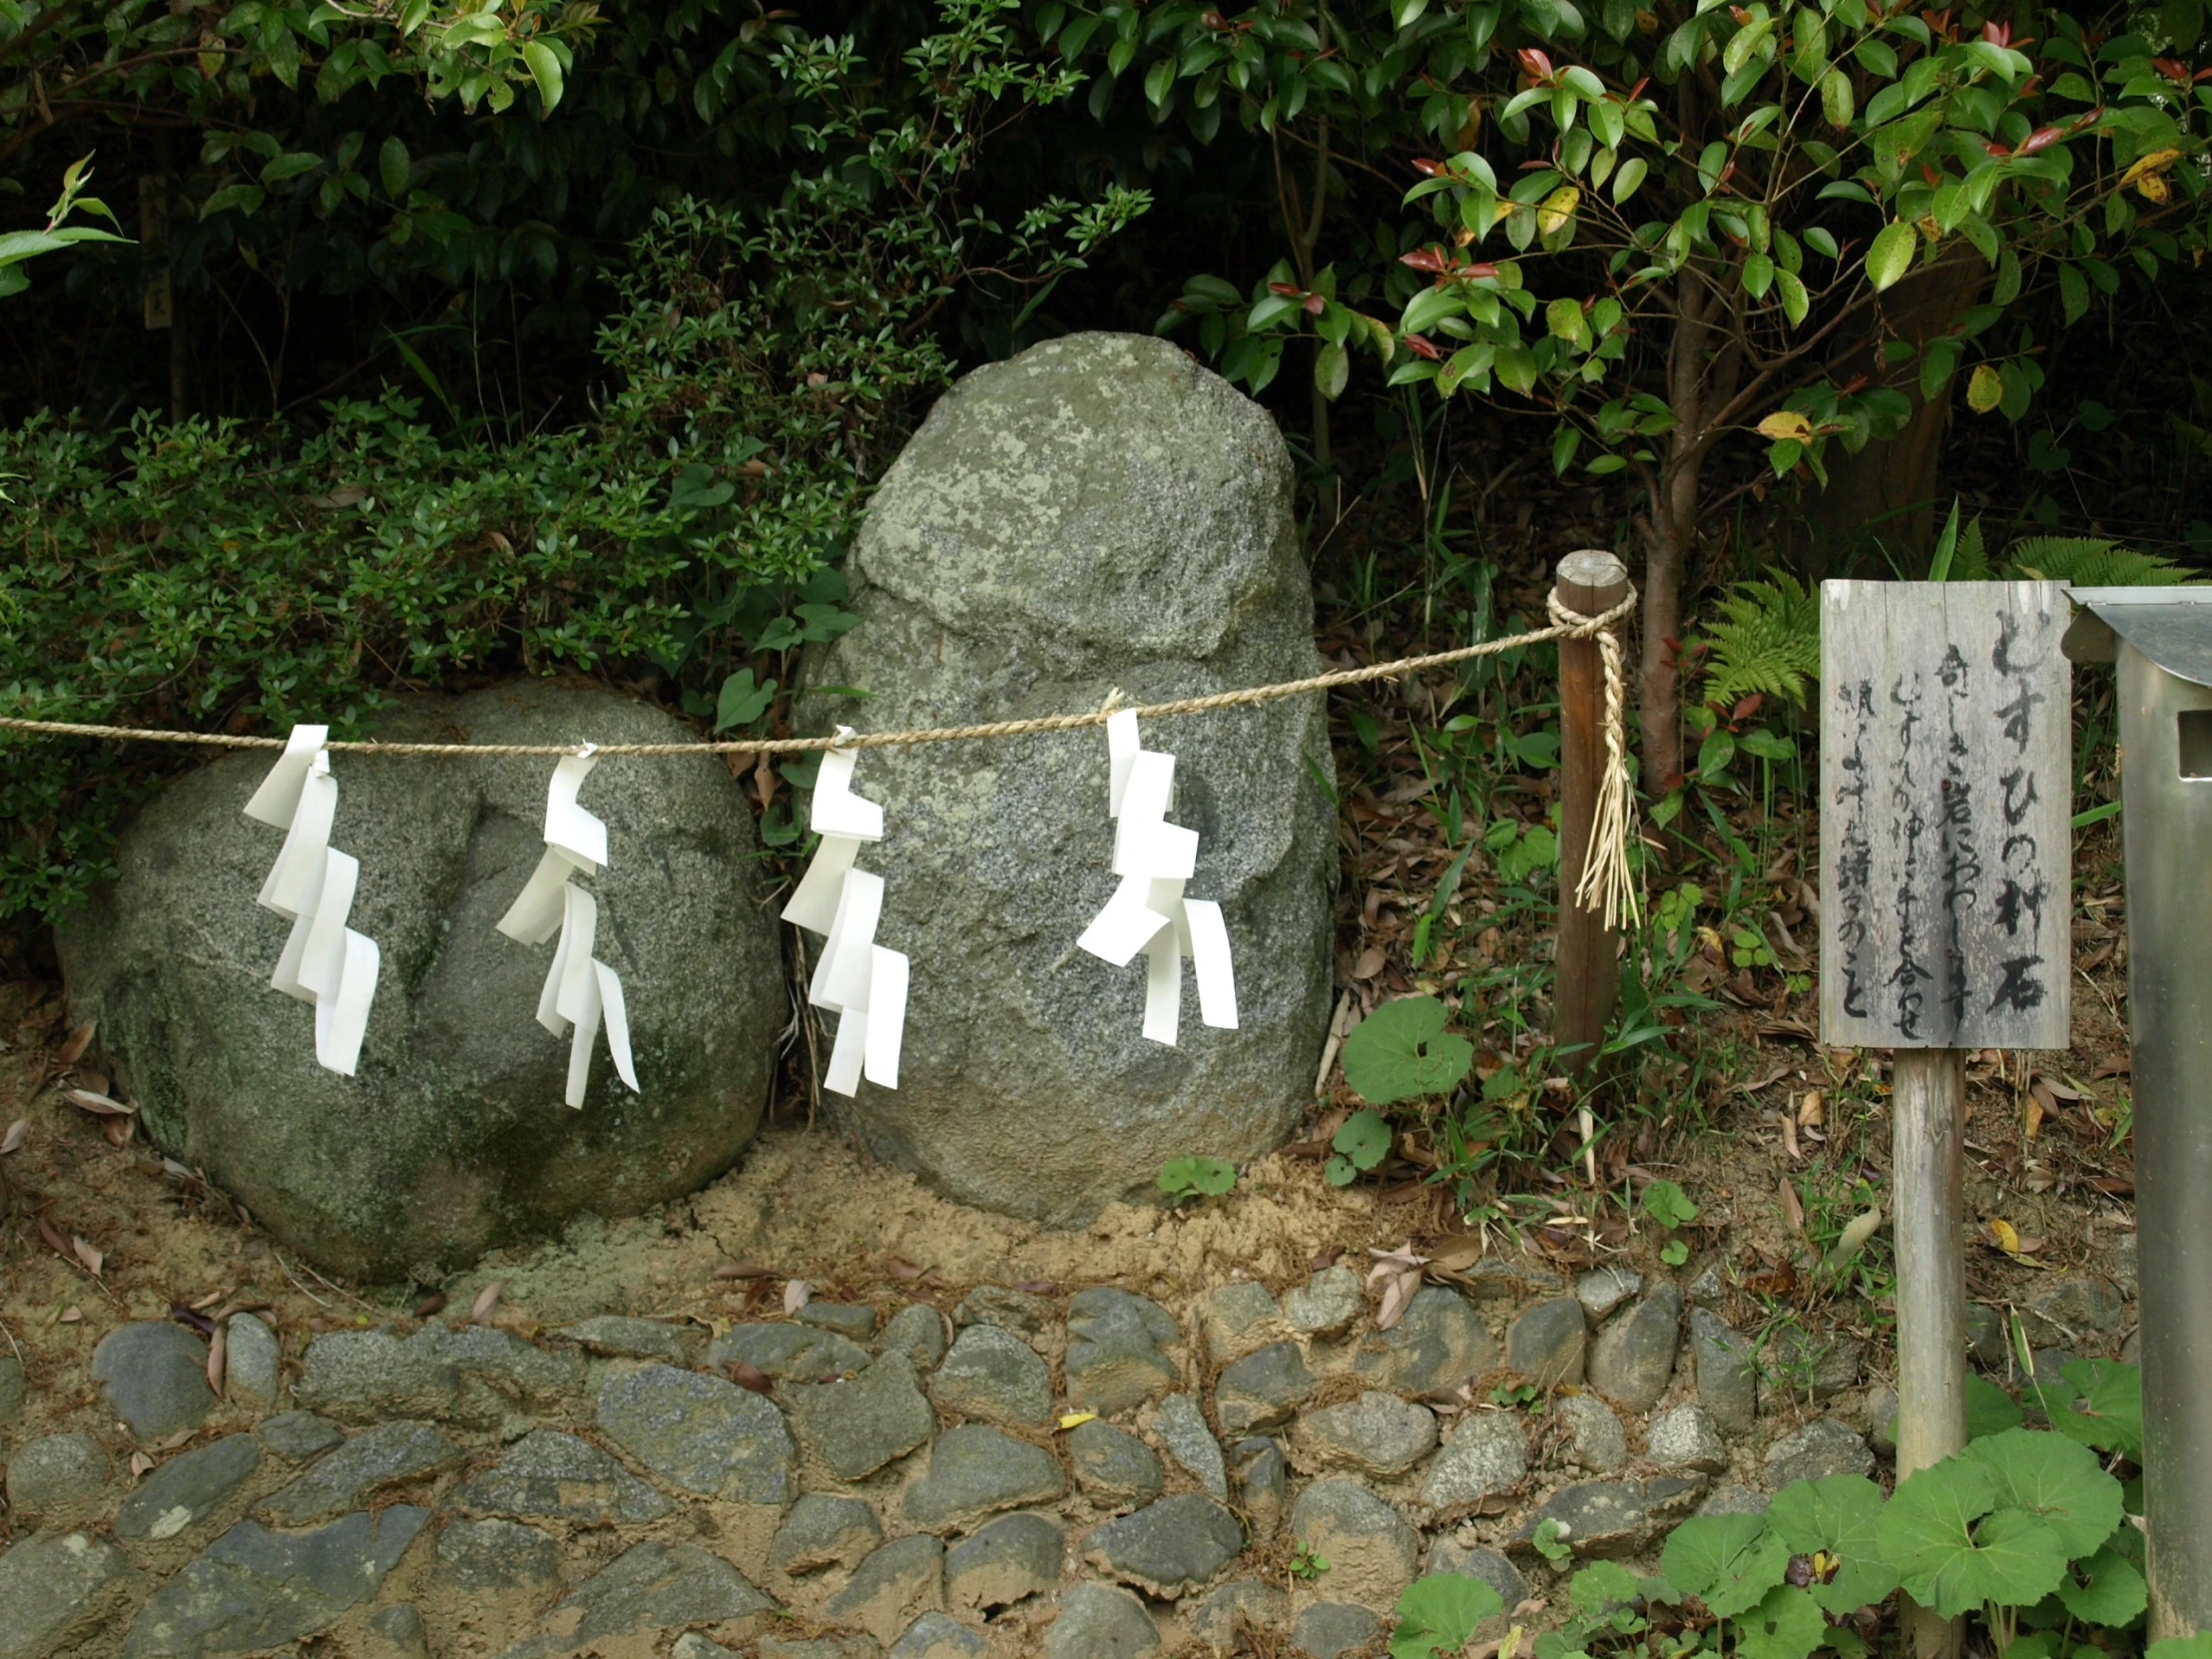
<point>367,1375</point>
<point>917,1331</point>
<point>453,1138</point>
<point>649,1588</point>
<point>1683,1436</point>
<point>992,1375</point>
<point>155,1377</point>
<point>1377,1434</point>
<point>1332,1629</point>
<point>1005,1561</point>
<point>1546,1341</point>
<point>373,1460</point>
<point>811,1647</point>
<point>1632,1361</point>
<point>1115,1359</point>
<point>1821,1448</point>
<point>1113,1466</point>
<point>939,1636</point>
<point>1242,1607</point>
<point>1603,1518</point>
<point>1237,1317</point>
<point>250,1361</point>
<point>1263,1485</point>
<point>56,1474</point>
<point>1734,1500</point>
<point>794,1353</point>
<point>976,1470</point>
<point>1812,1367</point>
<point>903,1579</point>
<point>1479,1562</point>
<point>1437,1345</point>
<point>397,1632</point>
<point>826,1529</point>
<point>856,1425</point>
<point>1358,1535</point>
<point>1263,1389</point>
<point>1487,1452</point>
<point>1600,1442</point>
<point>55,1587</point>
<point>627,1339</point>
<point>1181,1426</point>
<point>1726,1373</point>
<point>1881,1420</point>
<point>1987,1340</point>
<point>1168,1549</point>
<point>494,1555</point>
<point>1325,1304</point>
<point>1101,1621</point>
<point>550,1476</point>
<point>2074,1309</point>
<point>1097,513</point>
<point>188,1488</point>
<point>1602,1290</point>
<point>298,1435</point>
<point>699,1433</point>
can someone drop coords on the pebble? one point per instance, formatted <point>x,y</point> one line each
<point>1604,1518</point>
<point>1985,1339</point>
<point>555,1477</point>
<point>1684,1438</point>
<point>1326,1304</point>
<point>1602,1290</point>
<point>622,1337</point>
<point>825,1529</point>
<point>1236,1318</point>
<point>1263,1389</point>
<point>1881,1420</point>
<point>1332,1629</point>
<point>1727,1373</point>
<point>298,1435</point>
<point>977,1471</point>
<point>790,1352</point>
<point>692,1645</point>
<point>1012,1310</point>
<point>1447,1554</point>
<point>699,1433</point>
<point>1810,1368</point>
<point>1005,1561</point>
<point>1101,1621</point>
<point>1115,1359</point>
<point>1370,1550</point>
<point>1182,1428</point>
<point>917,1331</point>
<point>371,1460</point>
<point>1241,1607</point>
<point>992,1375</point>
<point>1440,1344</point>
<point>1633,1360</point>
<point>1113,1466</point>
<point>1168,1549</point>
<point>249,1358</point>
<point>1377,1434</point>
<point>853,1319</point>
<point>1600,1443</point>
<point>371,1376</point>
<point>939,1636</point>
<point>2072,1310</point>
<point>903,1578</point>
<point>648,1587</point>
<point>1547,1342</point>
<point>1263,1485</point>
<point>1487,1452</point>
<point>1821,1448</point>
<point>1734,1500</point>
<point>12,1390</point>
<point>254,1588</point>
<point>188,1488</point>
<point>56,1472</point>
<point>1512,1278</point>
<point>857,1426</point>
<point>517,1370</point>
<point>1708,1288</point>
<point>496,1555</point>
<point>155,1377</point>
<point>54,1584</point>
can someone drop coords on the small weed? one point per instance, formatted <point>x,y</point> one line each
<point>1304,1564</point>
<point>1363,1143</point>
<point>1550,1541</point>
<point>1186,1179</point>
<point>1519,1396</point>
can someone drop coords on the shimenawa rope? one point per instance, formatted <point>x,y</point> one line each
<point>1606,874</point>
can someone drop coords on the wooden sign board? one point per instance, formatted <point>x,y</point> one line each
<point>1946,814</point>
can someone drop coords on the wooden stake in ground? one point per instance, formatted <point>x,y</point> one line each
<point>1588,973</point>
<point>1945,851</point>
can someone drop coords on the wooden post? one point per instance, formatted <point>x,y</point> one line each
<point>1927,1098</point>
<point>1588,968</point>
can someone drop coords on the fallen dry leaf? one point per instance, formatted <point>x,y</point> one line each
<point>797,1294</point>
<point>1789,1137</point>
<point>73,1047</point>
<point>219,1349</point>
<point>1793,1210</point>
<point>898,1267</point>
<point>140,1464</point>
<point>1459,1255</point>
<point>1809,1113</point>
<point>745,1374</point>
<point>1327,1259</point>
<point>1372,962</point>
<point>71,1315</point>
<point>54,1241</point>
<point>434,1303</point>
<point>100,1105</point>
<point>488,1299</point>
<point>93,1259</point>
<point>15,1135</point>
<point>1076,1419</point>
<point>1394,1276</point>
<point>118,1130</point>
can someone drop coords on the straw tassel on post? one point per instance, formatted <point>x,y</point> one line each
<point>862,982</point>
<point>1148,912</point>
<point>580,992</point>
<point>324,962</point>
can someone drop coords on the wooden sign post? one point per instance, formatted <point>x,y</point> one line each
<point>1945,910</point>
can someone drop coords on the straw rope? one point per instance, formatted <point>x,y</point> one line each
<point>1605,876</point>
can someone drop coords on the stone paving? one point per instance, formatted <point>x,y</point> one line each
<point>1083,1479</point>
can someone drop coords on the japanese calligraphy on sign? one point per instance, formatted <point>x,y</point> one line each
<point>1946,814</point>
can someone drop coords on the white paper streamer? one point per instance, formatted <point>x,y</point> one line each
<point>324,962</point>
<point>862,982</point>
<point>580,993</point>
<point>1148,912</point>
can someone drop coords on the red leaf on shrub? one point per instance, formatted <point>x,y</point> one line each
<point>2040,138</point>
<point>1315,305</point>
<point>1421,347</point>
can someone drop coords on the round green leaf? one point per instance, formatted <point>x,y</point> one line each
<point>1785,1625</point>
<point>1891,255</point>
<point>1841,1516</point>
<point>1729,1563</point>
<point>2113,1592</point>
<point>1364,1139</point>
<point>1403,1050</point>
<point>2107,1409</point>
<point>2055,1480</point>
<point>1926,1527</point>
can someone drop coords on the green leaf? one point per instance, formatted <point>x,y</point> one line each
<point>1786,1625</point>
<point>1668,1204</point>
<point>2073,293</point>
<point>289,167</point>
<point>1631,174</point>
<point>1364,1139</point>
<point>1331,371</point>
<point>2198,1646</point>
<point>1841,1516</point>
<point>2106,1409</point>
<point>742,702</point>
<point>1890,255</point>
<point>545,69</point>
<point>1989,1409</point>
<point>1927,1526</point>
<point>2057,1480</point>
<point>393,166</point>
<point>1438,1614</point>
<point>1401,1050</point>
<point>2106,1589</point>
<point>1730,1562</point>
<point>248,199</point>
<point>1795,303</point>
<point>1210,1176</point>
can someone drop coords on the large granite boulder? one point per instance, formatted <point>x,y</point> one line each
<point>453,1137</point>
<point>1098,513</point>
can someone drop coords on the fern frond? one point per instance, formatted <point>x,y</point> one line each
<point>2091,562</point>
<point>1767,638</point>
